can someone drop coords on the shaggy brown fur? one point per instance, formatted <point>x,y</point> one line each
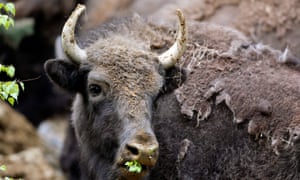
<point>248,77</point>
<point>227,73</point>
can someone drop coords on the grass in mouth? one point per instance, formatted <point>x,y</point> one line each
<point>133,166</point>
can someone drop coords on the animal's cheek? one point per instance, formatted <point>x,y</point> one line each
<point>102,107</point>
<point>96,102</point>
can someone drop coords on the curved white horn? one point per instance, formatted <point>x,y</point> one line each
<point>173,54</point>
<point>69,45</point>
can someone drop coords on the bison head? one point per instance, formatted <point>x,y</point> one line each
<point>116,79</point>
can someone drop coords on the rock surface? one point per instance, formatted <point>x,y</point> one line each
<point>24,152</point>
<point>16,134</point>
<point>29,164</point>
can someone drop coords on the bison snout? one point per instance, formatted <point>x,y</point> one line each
<point>143,148</point>
<point>146,155</point>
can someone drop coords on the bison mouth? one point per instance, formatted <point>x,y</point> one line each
<point>132,169</point>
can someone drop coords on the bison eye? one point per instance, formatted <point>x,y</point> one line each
<point>95,89</point>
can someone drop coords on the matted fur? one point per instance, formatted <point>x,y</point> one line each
<point>247,77</point>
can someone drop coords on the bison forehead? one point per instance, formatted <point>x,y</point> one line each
<point>130,67</point>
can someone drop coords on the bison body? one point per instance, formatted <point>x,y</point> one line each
<point>229,110</point>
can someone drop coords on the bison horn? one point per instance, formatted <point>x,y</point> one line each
<point>172,55</point>
<point>69,45</point>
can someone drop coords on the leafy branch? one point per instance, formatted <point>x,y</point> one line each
<point>6,20</point>
<point>9,90</point>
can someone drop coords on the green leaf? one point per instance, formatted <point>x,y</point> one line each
<point>14,90</point>
<point>10,22</point>
<point>135,169</point>
<point>6,21</point>
<point>10,8</point>
<point>6,86</point>
<point>3,168</point>
<point>129,163</point>
<point>22,86</point>
<point>9,70</point>
<point>9,91</point>
<point>3,19</point>
<point>1,5</point>
<point>8,178</point>
<point>134,166</point>
<point>4,94</point>
<point>11,101</point>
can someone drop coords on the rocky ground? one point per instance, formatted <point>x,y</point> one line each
<point>27,153</point>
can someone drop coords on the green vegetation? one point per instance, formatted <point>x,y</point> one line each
<point>134,166</point>
<point>9,90</point>
<point>2,168</point>
<point>6,20</point>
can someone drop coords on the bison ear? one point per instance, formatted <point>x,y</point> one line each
<point>65,74</point>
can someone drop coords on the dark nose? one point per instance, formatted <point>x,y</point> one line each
<point>143,147</point>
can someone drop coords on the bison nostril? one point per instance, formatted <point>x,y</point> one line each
<point>132,149</point>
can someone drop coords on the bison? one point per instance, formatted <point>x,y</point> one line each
<point>212,105</point>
